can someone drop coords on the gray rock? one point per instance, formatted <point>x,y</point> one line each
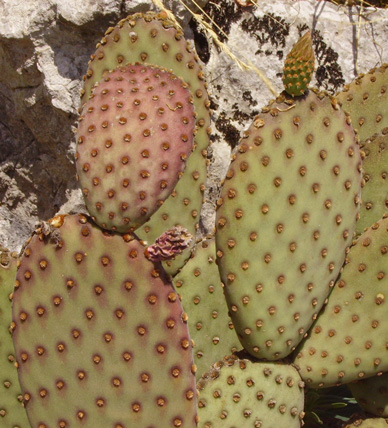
<point>44,49</point>
<point>262,37</point>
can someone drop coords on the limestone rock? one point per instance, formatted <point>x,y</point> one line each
<point>261,37</point>
<point>44,49</point>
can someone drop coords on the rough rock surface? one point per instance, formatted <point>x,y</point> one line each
<point>44,49</point>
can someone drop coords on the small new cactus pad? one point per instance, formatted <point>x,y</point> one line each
<point>366,100</point>
<point>172,242</point>
<point>299,66</point>
<point>287,213</point>
<point>374,193</point>
<point>238,392</point>
<point>134,137</point>
<point>12,412</point>
<point>372,394</point>
<point>369,423</point>
<point>153,39</point>
<point>349,339</point>
<point>100,334</point>
<point>201,290</point>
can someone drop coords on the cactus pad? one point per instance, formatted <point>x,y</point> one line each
<point>374,193</point>
<point>134,137</point>
<point>12,412</point>
<point>372,394</point>
<point>153,39</point>
<point>210,327</point>
<point>369,423</point>
<point>242,393</point>
<point>99,333</point>
<point>287,213</point>
<point>299,66</point>
<point>366,100</point>
<point>150,39</point>
<point>349,339</point>
<point>172,242</point>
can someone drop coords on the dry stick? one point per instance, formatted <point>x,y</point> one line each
<point>359,25</point>
<point>358,33</point>
<point>170,15</point>
<point>209,18</point>
<point>353,3</point>
<point>244,66</point>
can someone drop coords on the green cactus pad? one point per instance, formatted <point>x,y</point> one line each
<point>100,334</point>
<point>374,193</point>
<point>242,393</point>
<point>372,394</point>
<point>299,66</point>
<point>148,38</point>
<point>12,412</point>
<point>134,137</point>
<point>349,339</point>
<point>288,212</point>
<point>369,423</point>
<point>366,100</point>
<point>153,39</point>
<point>210,326</point>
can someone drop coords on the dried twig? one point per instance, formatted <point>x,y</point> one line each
<point>169,14</point>
<point>243,65</point>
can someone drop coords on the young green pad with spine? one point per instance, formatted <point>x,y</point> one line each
<point>12,412</point>
<point>100,334</point>
<point>153,39</point>
<point>287,214</point>
<point>238,392</point>
<point>366,100</point>
<point>299,66</point>
<point>210,327</point>
<point>134,137</point>
<point>374,192</point>
<point>349,339</point>
<point>372,394</point>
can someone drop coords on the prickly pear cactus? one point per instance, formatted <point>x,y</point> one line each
<point>287,214</point>
<point>299,66</point>
<point>153,39</point>
<point>147,38</point>
<point>238,392</point>
<point>134,137</point>
<point>99,332</point>
<point>12,412</point>
<point>372,394</point>
<point>369,423</point>
<point>170,243</point>
<point>210,327</point>
<point>374,193</point>
<point>349,339</point>
<point>366,100</point>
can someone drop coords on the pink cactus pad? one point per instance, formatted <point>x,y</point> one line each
<point>135,134</point>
